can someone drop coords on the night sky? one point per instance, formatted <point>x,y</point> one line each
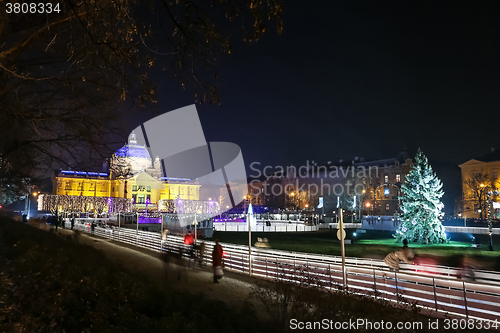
<point>367,79</point>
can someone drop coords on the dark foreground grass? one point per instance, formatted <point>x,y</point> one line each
<point>53,285</point>
<point>48,284</point>
<point>372,244</point>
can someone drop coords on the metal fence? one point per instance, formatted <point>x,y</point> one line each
<point>433,287</point>
<point>262,226</point>
<point>472,230</point>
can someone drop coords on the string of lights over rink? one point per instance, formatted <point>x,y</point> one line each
<point>435,288</point>
<point>88,204</point>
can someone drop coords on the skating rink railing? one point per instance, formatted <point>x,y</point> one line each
<point>432,287</point>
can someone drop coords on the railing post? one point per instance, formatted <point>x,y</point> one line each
<point>330,275</point>
<point>266,267</point>
<point>375,283</point>
<point>465,300</point>
<point>294,268</point>
<point>308,275</point>
<point>397,291</point>
<point>435,297</point>
<point>346,287</point>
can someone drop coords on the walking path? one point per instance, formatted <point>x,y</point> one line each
<point>233,289</point>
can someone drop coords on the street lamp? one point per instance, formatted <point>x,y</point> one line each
<point>465,219</point>
<point>481,196</point>
<point>360,203</point>
<point>490,222</point>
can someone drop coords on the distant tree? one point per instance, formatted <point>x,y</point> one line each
<point>421,204</point>
<point>67,77</point>
<point>475,190</point>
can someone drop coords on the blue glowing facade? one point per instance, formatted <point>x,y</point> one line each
<point>133,150</point>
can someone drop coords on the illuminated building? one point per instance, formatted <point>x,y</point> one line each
<point>383,186</point>
<point>474,199</point>
<point>133,175</point>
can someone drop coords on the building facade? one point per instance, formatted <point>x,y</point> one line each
<point>383,184</point>
<point>479,176</point>
<point>363,188</point>
<point>132,175</point>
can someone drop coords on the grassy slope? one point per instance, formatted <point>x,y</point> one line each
<point>58,286</point>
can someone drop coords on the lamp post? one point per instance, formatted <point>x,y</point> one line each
<point>361,204</point>
<point>341,236</point>
<point>465,219</point>
<point>195,222</point>
<point>483,190</point>
<point>249,222</point>
<point>119,226</point>
<point>490,222</point>
<point>137,226</point>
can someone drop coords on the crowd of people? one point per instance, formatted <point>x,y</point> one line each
<point>196,253</point>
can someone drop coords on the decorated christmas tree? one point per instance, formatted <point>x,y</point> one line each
<point>421,204</point>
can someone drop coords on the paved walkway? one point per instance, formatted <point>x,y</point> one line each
<point>233,289</point>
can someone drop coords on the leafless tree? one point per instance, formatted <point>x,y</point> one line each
<point>476,189</point>
<point>67,78</point>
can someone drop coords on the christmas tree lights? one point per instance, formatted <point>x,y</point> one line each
<point>421,205</point>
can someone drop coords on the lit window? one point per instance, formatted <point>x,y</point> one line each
<point>386,179</point>
<point>134,188</point>
<point>386,206</point>
<point>398,178</point>
<point>148,189</point>
<point>148,197</point>
<point>140,199</point>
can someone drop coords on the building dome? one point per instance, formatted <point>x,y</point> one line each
<point>131,158</point>
<point>133,150</point>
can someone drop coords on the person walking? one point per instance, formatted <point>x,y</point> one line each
<point>201,253</point>
<point>404,254</point>
<point>217,261</point>
<point>72,223</point>
<point>92,227</point>
<point>189,247</point>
